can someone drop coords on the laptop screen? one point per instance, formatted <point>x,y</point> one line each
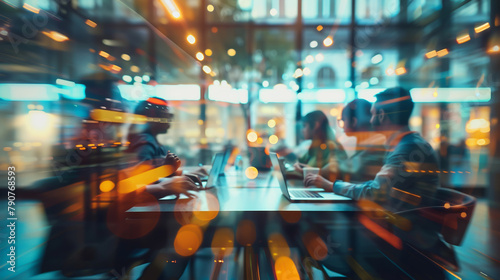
<point>278,171</point>
<point>224,159</point>
<point>214,172</point>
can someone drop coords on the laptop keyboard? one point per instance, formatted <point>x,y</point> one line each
<point>305,194</point>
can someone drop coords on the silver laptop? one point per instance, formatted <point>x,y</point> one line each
<point>300,194</point>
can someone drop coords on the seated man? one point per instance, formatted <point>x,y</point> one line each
<point>408,177</point>
<point>368,151</point>
<point>397,186</point>
<point>149,151</point>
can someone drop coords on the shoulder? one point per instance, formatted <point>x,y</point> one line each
<point>139,140</point>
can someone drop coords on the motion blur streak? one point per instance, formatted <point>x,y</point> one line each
<point>381,232</point>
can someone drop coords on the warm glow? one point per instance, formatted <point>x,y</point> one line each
<point>389,71</point>
<point>171,8</point>
<point>90,23</point>
<point>139,180</point>
<point>125,57</point>
<point>251,172</point>
<point>210,8</point>
<point>188,240</point>
<point>442,52</point>
<point>463,215</point>
<point>56,36</point>
<point>334,112</point>
<point>285,269</point>
<point>463,39</point>
<point>39,121</point>
<point>381,232</point>
<point>315,245</point>
<point>208,52</point>
<point>115,69</point>
<point>223,242</point>
<point>117,117</point>
<point>494,49</point>
<point>191,39</point>
<point>207,209</point>
<point>252,136</point>
<point>482,27</point>
<point>231,52</point>
<point>400,71</point>
<point>278,246</point>
<point>271,123</point>
<point>273,139</point>
<point>200,56</point>
<point>319,27</point>
<point>431,54</point>
<point>31,8</point>
<point>328,41</point>
<point>207,69</point>
<point>477,124</point>
<point>104,54</point>
<point>106,186</point>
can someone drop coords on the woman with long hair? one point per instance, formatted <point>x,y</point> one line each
<point>325,151</point>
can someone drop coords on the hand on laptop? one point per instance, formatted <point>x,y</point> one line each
<point>173,160</point>
<point>175,185</point>
<point>314,180</point>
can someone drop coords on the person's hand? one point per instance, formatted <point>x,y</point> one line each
<point>175,185</point>
<point>299,167</point>
<point>193,177</point>
<point>173,160</point>
<point>314,180</point>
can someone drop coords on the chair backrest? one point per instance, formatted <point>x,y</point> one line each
<point>453,211</point>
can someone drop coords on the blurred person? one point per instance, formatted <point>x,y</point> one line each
<point>407,151</point>
<point>400,184</point>
<point>144,144</point>
<point>364,163</point>
<point>325,152</point>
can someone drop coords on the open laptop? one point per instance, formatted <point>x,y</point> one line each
<point>301,194</point>
<point>214,172</point>
<point>210,183</point>
<point>225,158</point>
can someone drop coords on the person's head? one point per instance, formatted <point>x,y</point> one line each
<point>316,126</point>
<point>356,116</point>
<point>157,112</point>
<point>392,110</point>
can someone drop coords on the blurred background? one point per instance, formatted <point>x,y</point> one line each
<point>242,73</point>
<point>233,67</point>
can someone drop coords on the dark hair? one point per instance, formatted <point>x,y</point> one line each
<point>324,131</point>
<point>359,109</point>
<point>396,103</point>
